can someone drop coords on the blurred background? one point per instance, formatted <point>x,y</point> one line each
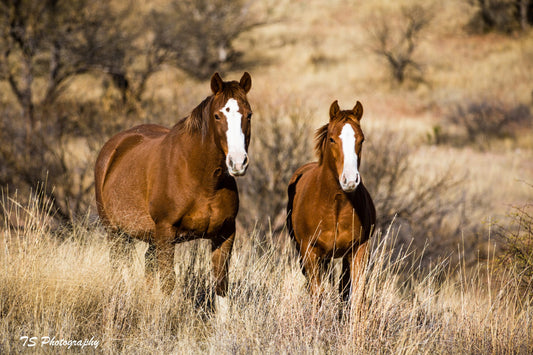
<point>447,91</point>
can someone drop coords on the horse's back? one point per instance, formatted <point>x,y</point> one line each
<point>120,176</point>
<point>121,143</point>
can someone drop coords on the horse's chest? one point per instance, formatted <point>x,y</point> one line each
<point>207,216</point>
<point>333,226</point>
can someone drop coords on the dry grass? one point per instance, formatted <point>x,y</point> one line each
<point>63,285</point>
<point>67,289</point>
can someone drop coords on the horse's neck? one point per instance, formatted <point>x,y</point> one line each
<point>197,152</point>
<point>327,172</point>
<point>328,181</point>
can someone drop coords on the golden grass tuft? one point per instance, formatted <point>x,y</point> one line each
<point>66,288</point>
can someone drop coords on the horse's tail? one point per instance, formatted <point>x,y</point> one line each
<point>291,190</point>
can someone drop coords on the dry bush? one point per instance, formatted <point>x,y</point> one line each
<point>67,289</point>
<point>281,142</point>
<point>500,15</point>
<point>483,120</point>
<point>197,35</point>
<point>517,244</point>
<point>396,41</point>
<point>421,203</point>
<point>47,44</point>
<point>60,154</point>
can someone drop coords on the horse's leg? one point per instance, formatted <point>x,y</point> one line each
<point>344,284</point>
<point>357,261</point>
<point>150,263</point>
<point>164,252</point>
<point>311,266</point>
<point>220,257</point>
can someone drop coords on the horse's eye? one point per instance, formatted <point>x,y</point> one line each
<point>249,117</point>
<point>217,117</point>
<point>332,140</point>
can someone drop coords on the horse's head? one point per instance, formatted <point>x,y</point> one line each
<point>340,142</point>
<point>231,116</point>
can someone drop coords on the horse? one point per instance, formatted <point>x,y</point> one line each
<point>165,185</point>
<point>330,213</point>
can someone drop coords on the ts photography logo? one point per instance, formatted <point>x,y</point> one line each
<point>47,341</point>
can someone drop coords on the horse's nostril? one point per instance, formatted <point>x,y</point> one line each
<point>245,161</point>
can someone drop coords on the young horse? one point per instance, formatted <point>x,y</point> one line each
<point>165,186</point>
<point>330,214</point>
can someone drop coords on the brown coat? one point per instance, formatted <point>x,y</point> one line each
<point>164,186</point>
<point>325,220</point>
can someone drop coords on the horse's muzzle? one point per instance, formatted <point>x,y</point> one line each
<point>350,183</point>
<point>237,164</point>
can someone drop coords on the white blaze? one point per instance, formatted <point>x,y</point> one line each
<point>349,178</point>
<point>235,138</point>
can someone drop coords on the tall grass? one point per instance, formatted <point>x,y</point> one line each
<point>66,288</point>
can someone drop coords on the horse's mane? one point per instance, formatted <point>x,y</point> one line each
<point>197,121</point>
<point>320,142</point>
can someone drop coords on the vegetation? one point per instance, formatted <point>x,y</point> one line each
<point>450,265</point>
<point>501,15</point>
<point>397,42</point>
<point>49,44</point>
<point>285,142</point>
<point>517,244</point>
<point>68,289</point>
<point>485,120</point>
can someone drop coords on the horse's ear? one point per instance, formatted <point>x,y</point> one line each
<point>358,110</point>
<point>246,82</point>
<point>334,109</point>
<point>216,83</point>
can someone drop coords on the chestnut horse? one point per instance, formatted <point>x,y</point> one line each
<point>330,214</point>
<point>165,186</point>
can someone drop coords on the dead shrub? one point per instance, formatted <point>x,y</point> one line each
<point>396,41</point>
<point>198,36</point>
<point>282,141</point>
<point>503,16</point>
<point>421,205</point>
<point>517,246</point>
<point>59,154</point>
<point>483,120</point>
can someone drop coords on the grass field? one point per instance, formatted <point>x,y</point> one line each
<point>67,289</point>
<point>441,293</point>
